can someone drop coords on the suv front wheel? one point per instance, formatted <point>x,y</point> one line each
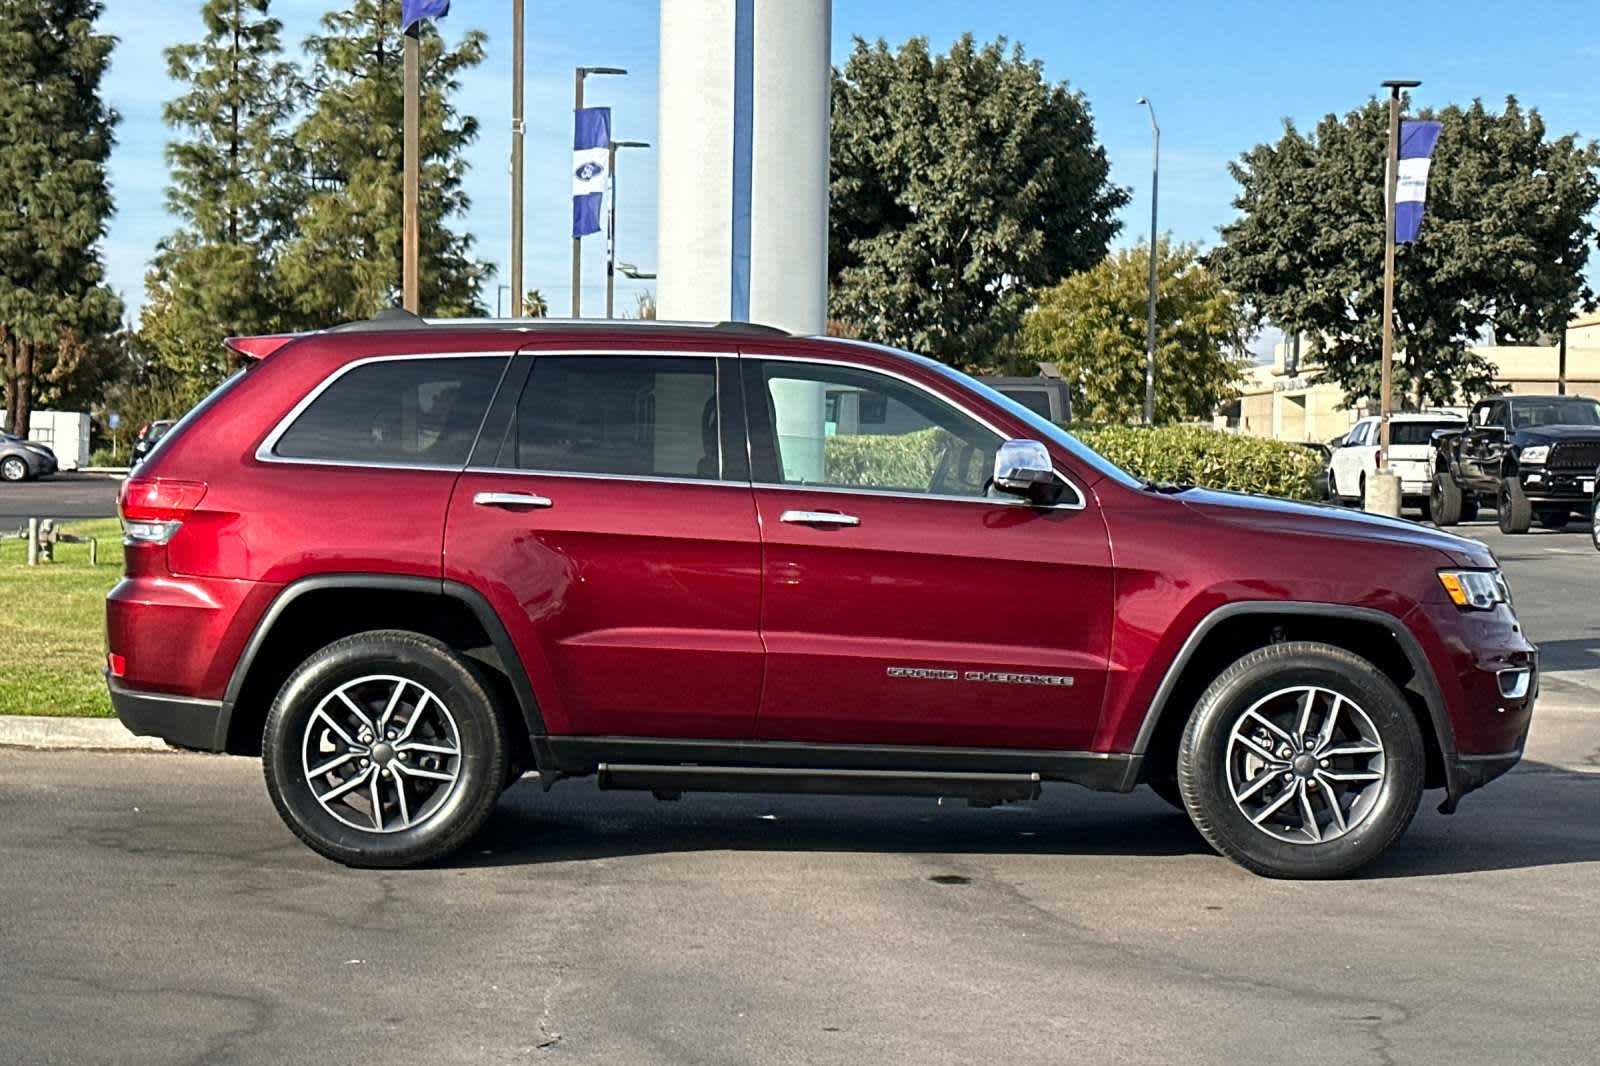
<point>384,750</point>
<point>1301,760</point>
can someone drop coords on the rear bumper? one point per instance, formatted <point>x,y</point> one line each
<point>186,722</point>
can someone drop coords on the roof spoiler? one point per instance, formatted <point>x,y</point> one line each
<point>261,346</point>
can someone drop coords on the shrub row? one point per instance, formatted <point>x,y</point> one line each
<point>1200,456</point>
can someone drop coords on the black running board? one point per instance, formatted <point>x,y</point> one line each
<point>667,780</point>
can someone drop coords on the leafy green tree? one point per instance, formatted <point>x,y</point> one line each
<point>1092,326</point>
<point>55,136</point>
<point>960,183</point>
<point>344,261</point>
<point>235,188</point>
<point>1505,238</point>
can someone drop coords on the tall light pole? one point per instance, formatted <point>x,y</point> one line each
<point>611,223</point>
<point>1150,321</point>
<point>577,242</point>
<point>1387,498</point>
<point>411,179</point>
<point>516,158</point>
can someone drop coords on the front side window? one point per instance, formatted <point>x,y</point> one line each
<point>405,412</point>
<point>637,416</point>
<point>844,427</point>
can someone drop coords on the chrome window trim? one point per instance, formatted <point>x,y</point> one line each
<point>651,478</point>
<point>1081,503</point>
<point>264,451</point>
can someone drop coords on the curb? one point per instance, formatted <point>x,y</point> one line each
<point>73,734</point>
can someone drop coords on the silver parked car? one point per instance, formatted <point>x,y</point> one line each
<point>22,459</point>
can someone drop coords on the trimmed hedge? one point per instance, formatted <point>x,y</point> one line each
<point>1200,456</point>
<point>1187,454</point>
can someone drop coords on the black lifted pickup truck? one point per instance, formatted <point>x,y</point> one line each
<point>1534,457</point>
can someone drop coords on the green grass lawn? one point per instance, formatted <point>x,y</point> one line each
<point>53,625</point>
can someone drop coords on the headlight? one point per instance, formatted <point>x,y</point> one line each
<point>1537,453</point>
<point>1475,590</point>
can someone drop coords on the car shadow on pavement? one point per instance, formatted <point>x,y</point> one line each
<point>1540,815</point>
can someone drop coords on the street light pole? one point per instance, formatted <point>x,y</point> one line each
<point>1150,321</point>
<point>611,223</point>
<point>411,179</point>
<point>1387,498</point>
<point>577,242</point>
<point>516,158</point>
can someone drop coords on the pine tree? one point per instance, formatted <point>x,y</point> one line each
<point>345,259</point>
<point>55,137</point>
<point>235,188</point>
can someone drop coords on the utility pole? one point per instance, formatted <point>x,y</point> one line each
<point>577,242</point>
<point>1385,480</point>
<point>410,226</point>
<point>1561,363</point>
<point>516,158</point>
<point>611,223</point>
<point>1150,323</point>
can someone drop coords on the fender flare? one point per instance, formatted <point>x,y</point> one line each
<point>1426,680</point>
<point>474,601</point>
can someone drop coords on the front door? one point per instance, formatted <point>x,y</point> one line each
<point>1484,444</point>
<point>611,524</point>
<point>903,603</point>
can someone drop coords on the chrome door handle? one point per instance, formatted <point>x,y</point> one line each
<point>511,499</point>
<point>819,518</point>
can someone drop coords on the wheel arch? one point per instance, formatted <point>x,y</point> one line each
<point>313,611</point>
<point>1234,629</point>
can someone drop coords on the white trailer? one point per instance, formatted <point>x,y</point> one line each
<point>64,432</point>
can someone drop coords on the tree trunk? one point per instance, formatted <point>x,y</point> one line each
<point>22,389</point>
<point>8,378</point>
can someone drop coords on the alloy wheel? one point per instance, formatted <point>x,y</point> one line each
<point>381,753</point>
<point>1305,764</point>
<point>13,469</point>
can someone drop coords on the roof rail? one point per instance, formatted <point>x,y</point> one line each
<point>395,318</point>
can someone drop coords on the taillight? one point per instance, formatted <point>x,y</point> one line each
<point>154,508</point>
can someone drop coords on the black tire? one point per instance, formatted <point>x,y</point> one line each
<point>1516,513</point>
<point>462,696</point>
<point>13,469</point>
<point>1553,517</point>
<point>1361,494</point>
<point>1445,500</point>
<point>1203,756</point>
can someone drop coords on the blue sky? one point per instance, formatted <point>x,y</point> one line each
<point>1222,76</point>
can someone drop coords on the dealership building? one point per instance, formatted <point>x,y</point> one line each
<point>1283,400</point>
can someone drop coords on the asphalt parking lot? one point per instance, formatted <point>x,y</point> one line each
<point>71,495</point>
<point>154,909</point>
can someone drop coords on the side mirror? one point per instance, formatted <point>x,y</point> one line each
<point>1023,468</point>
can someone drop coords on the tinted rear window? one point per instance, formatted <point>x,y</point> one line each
<point>1417,432</point>
<point>412,412</point>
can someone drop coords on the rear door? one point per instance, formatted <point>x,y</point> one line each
<point>1350,459</point>
<point>608,517</point>
<point>902,602</point>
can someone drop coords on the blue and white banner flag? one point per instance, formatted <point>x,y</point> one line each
<point>591,147</point>
<point>1411,181</point>
<point>414,11</point>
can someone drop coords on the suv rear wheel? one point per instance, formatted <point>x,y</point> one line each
<point>384,749</point>
<point>1301,760</point>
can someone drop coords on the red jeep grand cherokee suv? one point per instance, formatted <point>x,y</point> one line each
<point>406,561</point>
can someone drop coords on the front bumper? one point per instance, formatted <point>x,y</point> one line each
<point>179,720</point>
<point>1566,486</point>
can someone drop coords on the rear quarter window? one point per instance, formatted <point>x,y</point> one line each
<point>405,412</point>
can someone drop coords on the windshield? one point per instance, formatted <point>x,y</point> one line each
<point>1046,429</point>
<point>1562,411</point>
<point>1417,432</point>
